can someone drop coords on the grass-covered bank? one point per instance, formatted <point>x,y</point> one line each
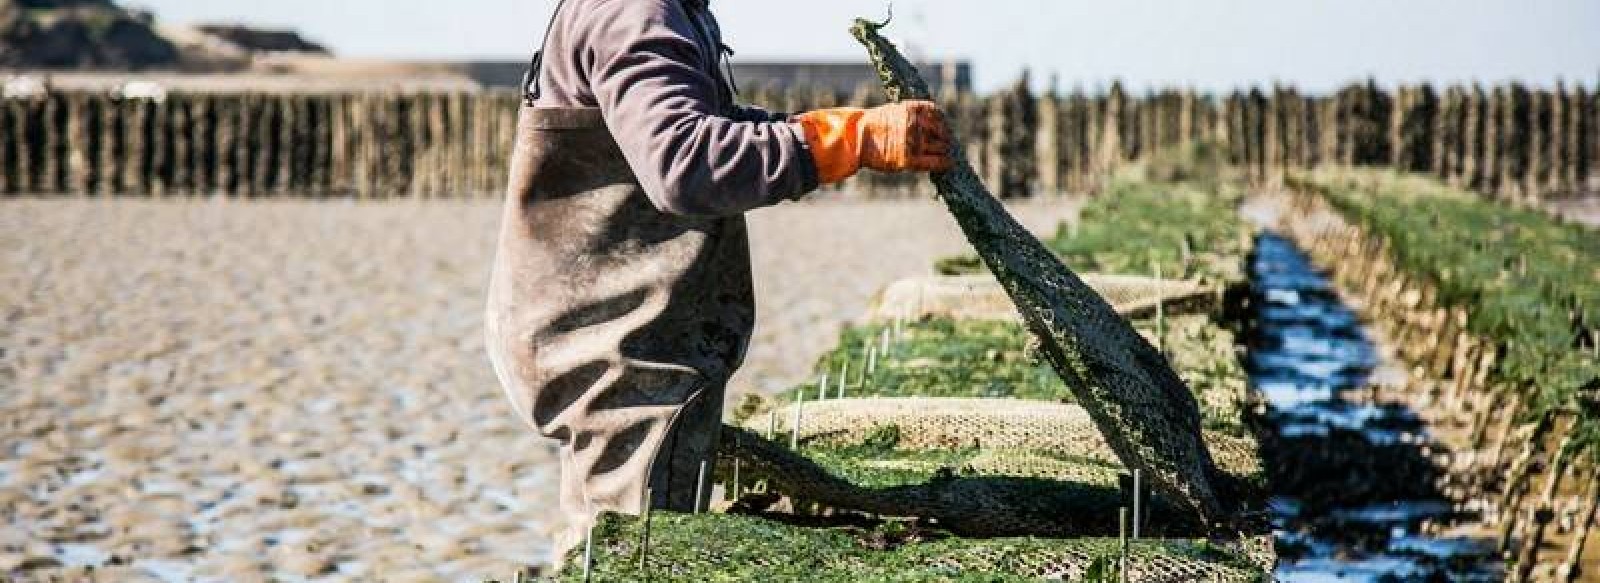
<point>1527,282</point>
<point>1494,308</point>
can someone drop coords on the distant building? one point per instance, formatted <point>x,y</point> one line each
<point>842,76</point>
<point>263,40</point>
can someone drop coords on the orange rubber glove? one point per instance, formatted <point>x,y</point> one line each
<point>899,137</point>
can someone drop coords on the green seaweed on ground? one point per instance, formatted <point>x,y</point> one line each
<point>1143,228</point>
<point>943,357</point>
<point>936,357</point>
<point>1529,281</point>
<point>731,547</point>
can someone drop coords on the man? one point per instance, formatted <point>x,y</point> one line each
<point>621,296</point>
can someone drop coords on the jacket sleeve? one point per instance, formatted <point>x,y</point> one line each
<point>650,80</point>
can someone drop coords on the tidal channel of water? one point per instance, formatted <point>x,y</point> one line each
<point>1351,481</point>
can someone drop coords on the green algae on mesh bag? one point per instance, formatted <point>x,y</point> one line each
<point>730,547</point>
<point>938,357</point>
<point>943,357</point>
<point>1138,228</point>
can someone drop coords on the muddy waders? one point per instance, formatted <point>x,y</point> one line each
<point>613,326</point>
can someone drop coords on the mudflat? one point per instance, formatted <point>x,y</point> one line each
<point>236,390</point>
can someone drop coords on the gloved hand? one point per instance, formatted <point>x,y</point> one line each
<point>905,136</point>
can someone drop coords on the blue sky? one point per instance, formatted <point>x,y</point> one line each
<point>1210,44</point>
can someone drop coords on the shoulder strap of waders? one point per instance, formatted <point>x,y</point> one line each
<point>530,78</point>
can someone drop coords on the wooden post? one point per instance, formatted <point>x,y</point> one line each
<point>322,171</point>
<point>183,167</point>
<point>52,151</point>
<point>477,147</point>
<point>1272,135</point>
<point>434,152</point>
<point>1568,571</point>
<point>1109,147</point>
<point>460,136</point>
<point>1343,126</point>
<point>1543,510</point>
<point>401,170</point>
<point>160,147</point>
<point>134,123</point>
<point>282,136</point>
<point>296,146</point>
<point>1493,141</point>
<point>106,154</point>
<point>1536,124</point>
<point>258,142</point>
<point>1446,140</point>
<point>363,126</point>
<point>1471,137</point>
<point>1574,171</point>
<point>1327,130</point>
<point>1072,142</point>
<point>8,148</point>
<point>1397,127</point>
<point>1556,144</point>
<point>199,182</point>
<point>1047,146</point>
<point>1513,141</point>
<point>19,133</point>
<point>229,130</point>
<point>994,154</point>
<point>1257,121</point>
<point>76,141</point>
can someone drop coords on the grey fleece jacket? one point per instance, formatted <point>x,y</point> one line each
<point>652,67</point>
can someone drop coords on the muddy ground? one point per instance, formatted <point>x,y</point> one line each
<point>199,390</point>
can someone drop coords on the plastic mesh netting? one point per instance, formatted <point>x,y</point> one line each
<point>725,547</point>
<point>980,297</point>
<point>914,488</point>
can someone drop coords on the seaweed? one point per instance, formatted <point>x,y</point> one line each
<point>731,547</point>
<point>1142,228</point>
<point>1530,282</point>
<point>943,357</point>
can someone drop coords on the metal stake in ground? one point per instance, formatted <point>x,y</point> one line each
<point>588,553</point>
<point>1122,544</point>
<point>794,436</point>
<point>644,534</point>
<point>1161,324</point>
<point>700,487</point>
<point>1136,499</point>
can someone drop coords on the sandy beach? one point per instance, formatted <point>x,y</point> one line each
<point>236,391</point>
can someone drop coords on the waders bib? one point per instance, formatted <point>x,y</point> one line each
<point>612,326</point>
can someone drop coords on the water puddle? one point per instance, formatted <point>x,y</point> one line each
<point>1351,480</point>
